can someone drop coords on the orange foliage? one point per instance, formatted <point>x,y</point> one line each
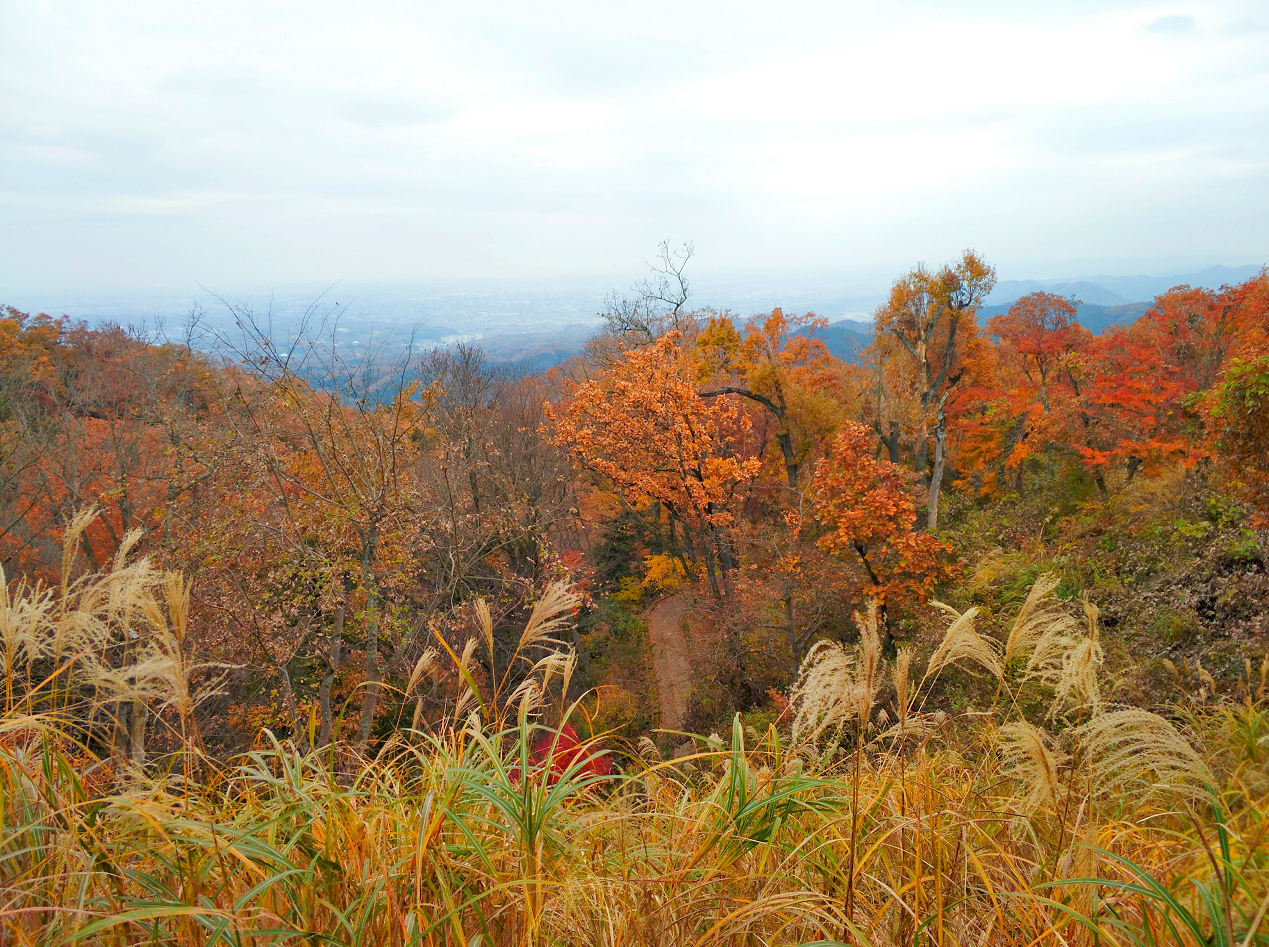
<point>928,325</point>
<point>777,363</point>
<point>1038,346</point>
<point>868,508</point>
<point>94,418</point>
<point>646,429</point>
<point>1132,398</point>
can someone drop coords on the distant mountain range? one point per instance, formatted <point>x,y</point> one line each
<point>845,339</point>
<point>1095,318</point>
<point>529,353</point>
<point>1119,290</point>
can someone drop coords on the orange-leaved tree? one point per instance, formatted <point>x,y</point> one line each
<point>927,321</point>
<point>644,427</point>
<point>779,364</point>
<point>866,505</point>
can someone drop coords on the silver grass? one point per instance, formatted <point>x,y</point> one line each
<point>1069,662</point>
<point>913,728</point>
<point>1039,615</point>
<point>550,614</point>
<point>79,522</point>
<point>902,675</point>
<point>821,694</point>
<point>1126,747</point>
<point>648,751</point>
<point>836,685</point>
<point>527,696</point>
<point>866,678</point>
<point>485,621</point>
<point>962,642</point>
<point>425,663</point>
<point>1030,757</point>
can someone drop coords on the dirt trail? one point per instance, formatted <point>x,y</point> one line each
<point>670,659</point>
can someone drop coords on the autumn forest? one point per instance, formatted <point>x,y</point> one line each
<point>704,637</point>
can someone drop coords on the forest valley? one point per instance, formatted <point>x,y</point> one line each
<point>307,641</point>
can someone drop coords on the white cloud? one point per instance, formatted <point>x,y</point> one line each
<point>153,143</point>
<point>1176,23</point>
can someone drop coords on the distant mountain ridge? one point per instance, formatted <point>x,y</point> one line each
<point>1120,290</point>
<point>1083,290</point>
<point>1095,318</point>
<point>531,353</point>
<point>844,339</point>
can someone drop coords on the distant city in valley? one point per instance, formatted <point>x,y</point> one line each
<point>537,324</point>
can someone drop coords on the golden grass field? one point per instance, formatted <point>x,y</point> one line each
<point>863,819</point>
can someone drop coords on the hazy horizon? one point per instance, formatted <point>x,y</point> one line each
<point>461,309</point>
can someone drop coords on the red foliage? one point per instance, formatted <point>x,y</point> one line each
<point>1038,335</point>
<point>569,751</point>
<point>1139,401</point>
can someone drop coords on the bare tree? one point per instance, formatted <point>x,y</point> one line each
<point>652,307</point>
<point>357,422</point>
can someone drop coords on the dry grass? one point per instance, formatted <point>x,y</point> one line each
<point>460,835</point>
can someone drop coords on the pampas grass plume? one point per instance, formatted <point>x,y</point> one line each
<point>1126,746</point>
<point>1028,754</point>
<point>962,642</point>
<point>1038,616</point>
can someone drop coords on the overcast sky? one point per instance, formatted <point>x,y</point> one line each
<point>248,144</point>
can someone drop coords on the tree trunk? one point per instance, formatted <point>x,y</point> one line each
<point>936,475</point>
<point>892,442</point>
<point>711,573</point>
<point>335,643</point>
<point>136,735</point>
<point>922,462</point>
<point>370,698</point>
<point>785,440</point>
<point>724,555</point>
<point>795,647</point>
<point>726,564</point>
<point>292,711</point>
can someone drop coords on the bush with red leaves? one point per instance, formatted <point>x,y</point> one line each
<point>569,751</point>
